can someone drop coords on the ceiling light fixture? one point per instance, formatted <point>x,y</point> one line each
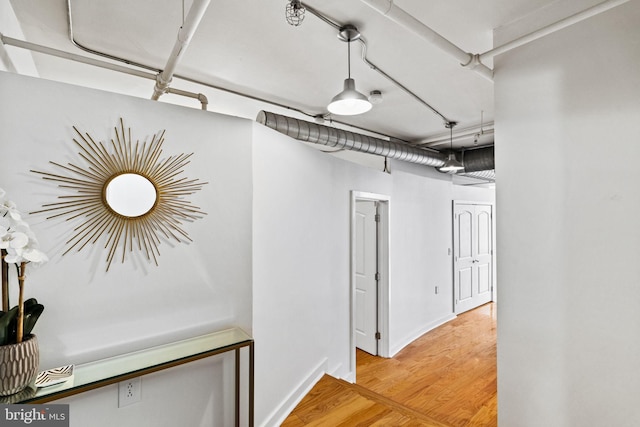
<point>451,165</point>
<point>294,12</point>
<point>375,97</point>
<point>349,102</point>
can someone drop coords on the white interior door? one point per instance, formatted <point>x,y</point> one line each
<point>366,266</point>
<point>473,256</point>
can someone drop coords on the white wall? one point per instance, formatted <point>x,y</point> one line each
<point>567,121</point>
<point>301,266</point>
<point>198,287</point>
<point>301,262</point>
<point>420,261</point>
<point>272,255</point>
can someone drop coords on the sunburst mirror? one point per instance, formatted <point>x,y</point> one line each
<point>126,192</point>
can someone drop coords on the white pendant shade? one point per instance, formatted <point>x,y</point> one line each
<point>451,164</point>
<point>349,102</point>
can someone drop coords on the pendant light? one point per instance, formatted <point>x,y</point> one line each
<point>451,165</point>
<point>349,102</point>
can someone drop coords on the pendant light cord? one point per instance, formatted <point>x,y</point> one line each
<point>451,137</point>
<point>450,125</point>
<point>349,58</point>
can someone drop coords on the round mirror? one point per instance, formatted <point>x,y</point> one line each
<point>130,194</point>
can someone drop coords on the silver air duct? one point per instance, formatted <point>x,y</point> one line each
<point>331,137</point>
<point>479,159</point>
<point>488,176</point>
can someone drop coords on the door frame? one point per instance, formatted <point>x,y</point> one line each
<point>383,269</point>
<point>493,247</point>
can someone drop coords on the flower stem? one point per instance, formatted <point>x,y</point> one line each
<point>20,328</point>
<point>5,282</point>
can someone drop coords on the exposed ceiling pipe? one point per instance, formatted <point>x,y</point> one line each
<point>474,61</point>
<point>191,22</point>
<point>373,66</point>
<point>399,16</point>
<point>6,61</point>
<point>96,63</point>
<point>73,57</point>
<point>397,83</point>
<point>128,61</point>
<point>332,137</point>
<point>474,133</point>
<point>199,96</point>
<point>77,44</point>
<point>552,28</point>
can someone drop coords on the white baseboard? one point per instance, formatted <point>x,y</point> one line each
<point>278,415</point>
<point>350,377</point>
<point>395,349</point>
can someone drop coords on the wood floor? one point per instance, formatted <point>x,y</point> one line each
<point>447,377</point>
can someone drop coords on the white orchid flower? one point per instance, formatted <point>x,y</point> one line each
<point>8,207</point>
<point>35,256</point>
<point>5,237</point>
<point>4,226</point>
<point>12,257</point>
<point>18,240</point>
<point>16,237</point>
<point>13,211</point>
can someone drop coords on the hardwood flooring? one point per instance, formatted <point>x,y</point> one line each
<point>447,377</point>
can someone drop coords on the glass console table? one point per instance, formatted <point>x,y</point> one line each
<point>112,370</point>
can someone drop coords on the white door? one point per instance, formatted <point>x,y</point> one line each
<point>366,319</point>
<point>473,256</point>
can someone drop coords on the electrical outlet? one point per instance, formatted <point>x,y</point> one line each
<point>129,392</point>
<point>437,290</point>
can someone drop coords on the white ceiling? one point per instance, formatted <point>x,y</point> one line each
<point>247,46</point>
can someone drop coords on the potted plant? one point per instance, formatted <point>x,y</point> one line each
<point>19,354</point>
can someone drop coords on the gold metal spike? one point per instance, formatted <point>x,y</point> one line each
<point>102,164</point>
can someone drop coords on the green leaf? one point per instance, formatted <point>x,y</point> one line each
<point>30,302</point>
<point>7,326</point>
<point>31,316</point>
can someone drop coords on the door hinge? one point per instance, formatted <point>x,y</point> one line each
<point>377,335</point>
<point>377,217</point>
<point>378,277</point>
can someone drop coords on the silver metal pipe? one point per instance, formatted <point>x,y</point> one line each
<point>338,138</point>
<point>77,44</point>
<point>322,17</point>
<point>373,66</point>
<point>397,83</point>
<point>469,132</point>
